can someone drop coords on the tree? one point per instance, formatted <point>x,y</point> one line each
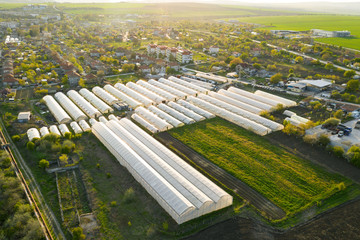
<point>257,66</point>
<point>338,151</point>
<point>64,159</point>
<point>349,73</point>
<point>353,85</point>
<point>324,140</point>
<point>331,122</point>
<point>339,114</point>
<point>299,59</point>
<point>67,135</point>
<point>271,67</point>
<point>15,138</point>
<point>65,80</point>
<point>276,78</point>
<point>235,62</point>
<point>30,145</point>
<point>78,234</point>
<point>354,155</point>
<point>170,71</point>
<point>82,83</point>
<point>43,163</point>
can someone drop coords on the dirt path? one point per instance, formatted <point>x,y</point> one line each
<point>242,189</point>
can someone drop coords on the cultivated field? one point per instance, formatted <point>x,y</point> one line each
<point>292,183</point>
<point>307,22</point>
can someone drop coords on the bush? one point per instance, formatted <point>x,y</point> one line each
<point>15,138</point>
<point>324,140</point>
<point>78,233</point>
<point>113,203</point>
<point>67,135</point>
<point>30,146</point>
<point>129,196</point>
<point>43,163</point>
<point>63,159</point>
<point>354,155</point>
<point>338,151</point>
<point>165,226</point>
<point>311,139</point>
<point>331,122</point>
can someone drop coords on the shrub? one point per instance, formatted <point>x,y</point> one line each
<point>338,151</point>
<point>311,139</point>
<point>30,146</point>
<point>113,203</point>
<point>354,155</point>
<point>129,223</point>
<point>324,140</point>
<point>64,159</point>
<point>98,165</point>
<point>67,135</point>
<point>165,226</point>
<point>331,122</point>
<point>129,195</point>
<point>44,163</point>
<point>108,175</point>
<point>78,233</point>
<point>15,138</point>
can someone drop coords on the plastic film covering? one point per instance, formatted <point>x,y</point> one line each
<point>254,96</point>
<point>135,95</point>
<point>186,111</point>
<point>176,114</point>
<point>57,111</point>
<point>231,117</point>
<point>76,128</point>
<point>70,107</point>
<point>293,121</point>
<point>94,100</point>
<point>44,131</point>
<point>182,88</point>
<point>54,129</point>
<point>288,113</point>
<point>64,129</point>
<point>84,126</point>
<point>177,93</point>
<point>103,119</point>
<point>300,119</point>
<point>159,123</point>
<point>235,102</point>
<point>144,123</point>
<point>188,85</point>
<point>33,133</point>
<point>196,109</point>
<point>168,96</point>
<point>105,96</point>
<point>143,91</point>
<point>163,115</point>
<point>284,101</point>
<point>89,109</point>
<point>161,190</point>
<point>202,84</point>
<point>92,121</point>
<point>123,97</point>
<point>211,77</point>
<point>274,126</point>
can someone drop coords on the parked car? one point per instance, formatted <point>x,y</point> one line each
<point>341,133</point>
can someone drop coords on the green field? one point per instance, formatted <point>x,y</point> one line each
<point>292,183</point>
<point>307,22</point>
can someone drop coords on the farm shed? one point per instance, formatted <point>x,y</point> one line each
<point>105,96</point>
<point>186,111</point>
<point>143,91</point>
<point>70,107</point>
<point>177,93</point>
<point>182,88</point>
<point>145,123</point>
<point>75,127</point>
<point>135,95</point>
<point>123,97</point>
<point>168,96</point>
<point>89,109</point>
<point>64,129</point>
<point>57,111</point>
<point>284,101</point>
<point>54,129</point>
<point>33,133</point>
<point>188,85</point>
<point>254,96</point>
<point>23,117</point>
<point>176,114</point>
<point>231,117</point>
<point>159,123</point>
<point>84,125</point>
<point>215,193</point>
<point>196,109</point>
<point>161,114</point>
<point>44,131</point>
<point>94,100</point>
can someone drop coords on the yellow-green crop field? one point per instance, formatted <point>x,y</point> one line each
<point>292,183</point>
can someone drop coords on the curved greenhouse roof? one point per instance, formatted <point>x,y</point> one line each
<point>57,111</point>
<point>70,107</point>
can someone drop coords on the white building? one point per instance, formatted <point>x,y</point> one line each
<point>184,56</point>
<point>214,50</point>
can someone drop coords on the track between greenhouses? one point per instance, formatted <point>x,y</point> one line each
<point>237,186</point>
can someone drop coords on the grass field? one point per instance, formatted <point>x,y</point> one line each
<point>307,22</point>
<point>292,183</point>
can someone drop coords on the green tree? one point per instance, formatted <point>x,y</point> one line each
<point>65,80</point>
<point>43,163</point>
<point>276,78</point>
<point>338,151</point>
<point>78,234</point>
<point>235,62</point>
<point>339,114</point>
<point>324,140</point>
<point>15,138</point>
<point>30,145</point>
<point>299,59</point>
<point>353,85</point>
<point>349,73</point>
<point>257,66</point>
<point>64,159</point>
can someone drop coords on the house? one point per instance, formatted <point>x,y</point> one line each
<point>151,48</point>
<point>161,51</point>
<point>144,69</point>
<point>24,117</point>
<point>91,78</point>
<point>171,52</point>
<point>10,80</point>
<point>184,56</point>
<point>214,50</point>
<point>317,85</point>
<point>73,78</point>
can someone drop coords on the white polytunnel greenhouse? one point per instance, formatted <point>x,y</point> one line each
<point>57,111</point>
<point>54,129</point>
<point>300,119</point>
<point>159,123</point>
<point>249,101</point>
<point>182,88</point>
<point>196,109</point>
<point>84,125</point>
<point>105,96</point>
<point>76,128</point>
<point>92,121</point>
<point>288,113</point>
<point>187,112</point>
<point>235,102</point>
<point>89,109</point>
<point>188,85</point>
<point>211,190</point>
<point>161,114</point>
<point>177,93</point>
<point>145,123</point>
<point>284,101</point>
<point>254,96</point>
<point>197,198</point>
<point>176,114</point>
<point>211,77</point>
<point>168,96</point>
<point>44,131</point>
<point>202,84</point>
<point>64,129</point>
<point>123,97</point>
<point>103,119</point>
<point>95,101</point>
<point>33,133</point>
<point>171,200</point>
<point>70,107</point>
<point>143,91</point>
<point>231,117</point>
<point>274,126</point>
<point>135,95</point>
<point>293,121</point>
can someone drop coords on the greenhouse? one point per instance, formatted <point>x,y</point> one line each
<point>145,123</point>
<point>103,119</point>
<point>89,109</point>
<point>75,127</point>
<point>44,131</point>
<point>161,114</point>
<point>188,85</point>
<point>64,129</point>
<point>54,129</point>
<point>202,84</point>
<point>186,111</point>
<point>33,133</point>
<point>104,95</point>
<point>284,101</point>
<point>159,123</point>
<point>182,88</point>
<point>168,96</point>
<point>177,93</point>
<point>143,91</point>
<point>176,114</point>
<point>84,125</point>
<point>57,111</point>
<point>94,100</point>
<point>123,97</point>
<point>196,109</point>
<point>70,107</point>
<point>254,96</point>
<point>135,95</point>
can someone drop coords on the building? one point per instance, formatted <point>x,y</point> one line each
<point>73,78</point>
<point>171,52</point>
<point>317,85</point>
<point>161,50</point>
<point>214,50</point>
<point>184,56</point>
<point>24,117</point>
<point>151,48</point>
<point>296,87</point>
<point>323,33</point>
